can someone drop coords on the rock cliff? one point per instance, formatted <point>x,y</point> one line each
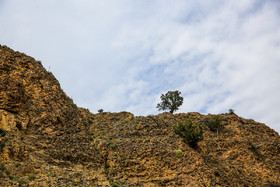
<point>46,140</point>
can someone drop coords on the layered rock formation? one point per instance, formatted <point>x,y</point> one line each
<point>46,140</point>
<point>44,128</point>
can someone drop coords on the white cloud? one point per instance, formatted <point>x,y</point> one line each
<point>122,55</point>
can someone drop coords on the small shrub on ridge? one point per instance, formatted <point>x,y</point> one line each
<point>214,123</point>
<point>231,111</point>
<point>191,133</point>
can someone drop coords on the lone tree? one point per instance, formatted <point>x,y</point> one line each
<point>170,101</point>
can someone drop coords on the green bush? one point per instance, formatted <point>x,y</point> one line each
<point>90,121</point>
<point>32,177</point>
<point>100,111</point>
<point>231,111</point>
<point>2,167</point>
<point>179,153</point>
<point>11,177</point>
<point>2,132</point>
<point>7,172</point>
<point>2,144</point>
<point>22,182</point>
<point>107,165</point>
<point>191,133</point>
<point>214,123</point>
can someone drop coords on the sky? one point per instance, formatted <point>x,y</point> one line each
<point>122,55</point>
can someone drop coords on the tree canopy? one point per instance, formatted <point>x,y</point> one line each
<point>170,101</point>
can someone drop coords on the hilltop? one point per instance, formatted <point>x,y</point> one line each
<point>46,140</point>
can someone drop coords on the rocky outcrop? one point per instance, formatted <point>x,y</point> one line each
<point>141,151</point>
<point>29,91</point>
<point>43,126</point>
<point>46,140</point>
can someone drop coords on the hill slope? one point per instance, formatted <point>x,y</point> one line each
<point>46,140</point>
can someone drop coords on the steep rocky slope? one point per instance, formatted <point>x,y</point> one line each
<point>46,140</point>
<point>46,132</point>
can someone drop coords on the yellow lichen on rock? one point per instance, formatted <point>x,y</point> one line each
<point>5,155</point>
<point>7,120</point>
<point>46,140</point>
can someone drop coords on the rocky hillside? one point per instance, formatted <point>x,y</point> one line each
<point>46,140</point>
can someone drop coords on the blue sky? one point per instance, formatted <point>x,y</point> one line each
<point>122,55</point>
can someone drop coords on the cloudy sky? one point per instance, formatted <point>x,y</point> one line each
<point>122,55</point>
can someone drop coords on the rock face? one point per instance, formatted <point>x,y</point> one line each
<point>46,140</point>
<point>43,127</point>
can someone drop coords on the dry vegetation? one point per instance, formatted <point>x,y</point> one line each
<point>46,140</point>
